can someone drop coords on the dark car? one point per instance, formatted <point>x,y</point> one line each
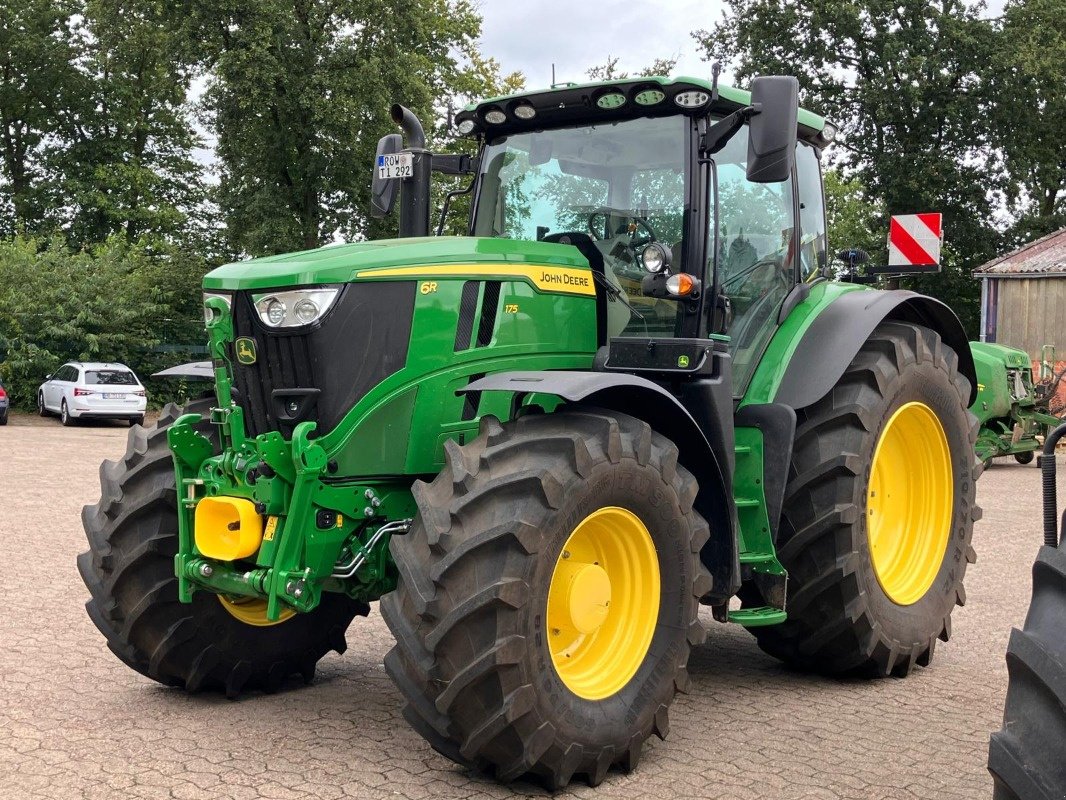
<point>4,403</point>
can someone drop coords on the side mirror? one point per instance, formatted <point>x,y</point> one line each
<point>383,190</point>
<point>772,129</point>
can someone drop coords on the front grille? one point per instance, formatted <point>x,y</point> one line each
<point>328,366</point>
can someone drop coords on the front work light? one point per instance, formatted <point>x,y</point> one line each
<point>293,308</point>
<point>495,117</point>
<point>525,111</point>
<point>466,126</point>
<point>691,99</point>
<point>649,97</point>
<point>611,100</point>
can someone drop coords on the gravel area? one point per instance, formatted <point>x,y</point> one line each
<point>76,723</point>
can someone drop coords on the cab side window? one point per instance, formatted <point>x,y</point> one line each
<point>756,255</point>
<point>813,246</point>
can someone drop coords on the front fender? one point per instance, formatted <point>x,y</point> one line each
<point>641,398</point>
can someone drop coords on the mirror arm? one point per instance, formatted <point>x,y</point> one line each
<point>448,201</point>
<point>726,128</point>
<point>461,164</point>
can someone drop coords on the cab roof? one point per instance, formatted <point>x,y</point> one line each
<point>578,103</point>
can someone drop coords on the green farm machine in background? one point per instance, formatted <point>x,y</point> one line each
<point>632,389</point>
<point>1011,407</point>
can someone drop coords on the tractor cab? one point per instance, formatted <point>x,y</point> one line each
<point>698,208</point>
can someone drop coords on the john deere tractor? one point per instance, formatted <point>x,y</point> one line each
<point>629,391</point>
<point>1012,409</point>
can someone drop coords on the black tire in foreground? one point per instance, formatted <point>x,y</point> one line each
<point>474,653</point>
<point>840,618</point>
<point>1024,458</point>
<point>1026,756</point>
<point>129,570</point>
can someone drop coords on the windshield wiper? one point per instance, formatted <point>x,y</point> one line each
<point>614,293</point>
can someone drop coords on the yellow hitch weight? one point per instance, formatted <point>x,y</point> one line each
<point>227,528</point>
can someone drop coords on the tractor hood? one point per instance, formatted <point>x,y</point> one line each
<point>405,259</point>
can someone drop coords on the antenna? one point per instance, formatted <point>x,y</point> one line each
<point>716,69</point>
<point>553,74</point>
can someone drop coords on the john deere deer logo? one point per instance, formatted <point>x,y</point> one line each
<point>245,346</point>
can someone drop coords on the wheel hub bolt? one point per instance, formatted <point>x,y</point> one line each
<point>206,571</point>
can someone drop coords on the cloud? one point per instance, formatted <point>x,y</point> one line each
<point>575,36</point>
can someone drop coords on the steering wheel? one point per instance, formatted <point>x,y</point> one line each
<point>596,230</point>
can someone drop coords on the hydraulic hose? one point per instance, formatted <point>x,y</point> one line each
<point>1047,474</point>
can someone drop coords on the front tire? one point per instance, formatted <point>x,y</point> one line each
<point>504,548</point>
<point>873,579</point>
<point>41,410</point>
<point>1024,458</point>
<point>1025,757</point>
<point>129,570</point>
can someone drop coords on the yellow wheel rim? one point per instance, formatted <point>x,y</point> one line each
<point>603,603</point>
<point>252,610</point>
<point>908,508</point>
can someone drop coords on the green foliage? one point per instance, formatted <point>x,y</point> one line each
<point>115,302</point>
<point>904,80</point>
<point>1029,114</point>
<point>300,94</point>
<point>854,218</point>
<point>38,49</point>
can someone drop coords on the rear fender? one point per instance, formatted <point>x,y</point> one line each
<point>641,398</point>
<point>833,339</point>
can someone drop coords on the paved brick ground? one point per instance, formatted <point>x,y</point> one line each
<point>75,722</point>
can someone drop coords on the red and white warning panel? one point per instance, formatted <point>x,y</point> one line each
<point>914,242</point>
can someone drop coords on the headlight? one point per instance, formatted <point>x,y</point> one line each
<point>294,308</point>
<point>655,257</point>
<point>209,313</point>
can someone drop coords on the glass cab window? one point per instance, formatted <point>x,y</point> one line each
<point>813,248</point>
<point>607,189</point>
<point>755,254</point>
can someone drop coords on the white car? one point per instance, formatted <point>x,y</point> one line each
<point>80,390</point>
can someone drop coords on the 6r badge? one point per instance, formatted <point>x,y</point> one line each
<point>244,346</point>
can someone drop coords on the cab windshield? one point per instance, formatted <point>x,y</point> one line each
<point>607,189</point>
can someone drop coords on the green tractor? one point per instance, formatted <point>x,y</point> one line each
<point>1011,408</point>
<point>631,390</point>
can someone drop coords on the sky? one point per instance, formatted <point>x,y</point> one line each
<point>576,35</point>
<point>528,35</point>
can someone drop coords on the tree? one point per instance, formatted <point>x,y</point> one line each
<point>300,94</point>
<point>904,81</point>
<point>854,218</point>
<point>38,50</point>
<point>123,162</point>
<point>1029,113</point>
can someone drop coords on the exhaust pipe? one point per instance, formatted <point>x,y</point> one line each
<point>414,191</point>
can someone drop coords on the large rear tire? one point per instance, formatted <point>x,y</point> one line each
<point>1025,757</point>
<point>129,570</point>
<point>873,579</point>
<point>503,548</point>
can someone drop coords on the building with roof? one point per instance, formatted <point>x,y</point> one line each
<point>1023,300</point>
<point>1023,296</point>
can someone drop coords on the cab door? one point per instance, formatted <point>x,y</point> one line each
<point>770,237</point>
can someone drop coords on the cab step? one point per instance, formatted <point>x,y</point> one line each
<point>756,617</point>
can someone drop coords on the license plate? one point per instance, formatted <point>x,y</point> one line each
<point>395,166</point>
<point>114,395</point>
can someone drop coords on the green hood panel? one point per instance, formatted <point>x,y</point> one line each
<point>1011,356</point>
<point>340,263</point>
